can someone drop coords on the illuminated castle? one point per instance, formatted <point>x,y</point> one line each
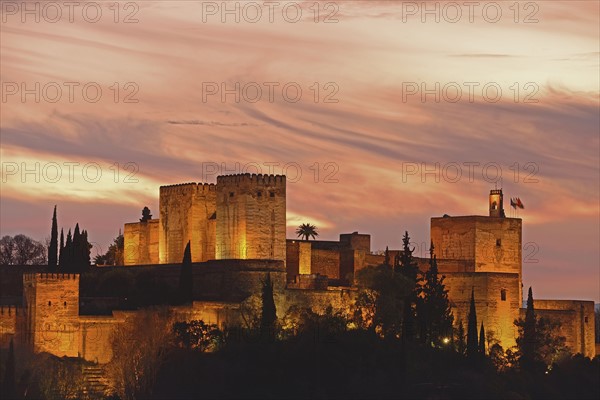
<point>241,217</point>
<point>236,229</point>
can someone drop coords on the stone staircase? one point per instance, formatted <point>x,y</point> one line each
<point>96,384</point>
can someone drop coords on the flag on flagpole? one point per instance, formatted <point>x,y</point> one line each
<point>519,203</point>
<point>513,203</point>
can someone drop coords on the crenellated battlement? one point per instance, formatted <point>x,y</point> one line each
<point>257,179</point>
<point>188,187</point>
<point>47,276</point>
<point>10,310</point>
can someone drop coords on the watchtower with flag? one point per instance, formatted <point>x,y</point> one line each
<point>496,203</point>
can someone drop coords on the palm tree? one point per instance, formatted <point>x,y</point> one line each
<point>307,230</point>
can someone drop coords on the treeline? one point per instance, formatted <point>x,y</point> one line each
<point>398,341</point>
<point>73,254</point>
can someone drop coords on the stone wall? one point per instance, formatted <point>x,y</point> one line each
<point>187,213</point>
<point>51,302</point>
<point>577,320</point>
<point>490,244</point>
<point>141,242</point>
<point>95,337</point>
<point>9,316</point>
<point>356,241</point>
<point>251,217</point>
<point>497,301</point>
<point>298,258</point>
<point>339,299</point>
<point>325,262</point>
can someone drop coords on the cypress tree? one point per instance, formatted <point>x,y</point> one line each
<point>528,350</point>
<point>8,384</point>
<point>460,333</point>
<point>85,250</point>
<point>472,345</point>
<point>386,260</point>
<point>435,314</point>
<point>186,276</point>
<point>53,247</point>
<point>408,267</point>
<point>269,313</point>
<point>61,257</point>
<point>482,340</point>
<point>76,250</point>
<point>68,260</point>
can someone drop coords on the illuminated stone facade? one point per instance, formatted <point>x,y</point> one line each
<point>241,217</point>
<point>237,231</point>
<point>251,217</point>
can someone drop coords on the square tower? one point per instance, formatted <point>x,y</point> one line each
<point>187,213</point>
<point>51,302</point>
<point>251,217</point>
<point>481,243</point>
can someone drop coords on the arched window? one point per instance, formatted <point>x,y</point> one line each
<point>49,303</point>
<point>503,294</point>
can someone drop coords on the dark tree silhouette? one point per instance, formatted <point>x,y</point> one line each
<point>386,259</point>
<point>114,254</point>
<point>380,301</point>
<point>53,247</point>
<point>22,250</point>
<point>146,216</point>
<point>61,257</point>
<point>435,313</point>
<point>527,348</point>
<point>268,316</point>
<point>409,269</point>
<point>461,344</point>
<point>482,340</point>
<point>68,259</point>
<point>186,276</point>
<point>85,250</point>
<point>8,384</point>
<point>306,231</point>
<point>472,345</point>
<point>77,252</point>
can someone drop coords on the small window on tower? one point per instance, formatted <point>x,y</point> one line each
<point>49,303</point>
<point>503,294</point>
<point>586,320</point>
<point>230,194</point>
<point>498,242</point>
<point>259,194</point>
<point>65,304</point>
<point>494,205</point>
<point>271,194</point>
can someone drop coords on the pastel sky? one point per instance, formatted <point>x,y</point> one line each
<point>364,129</point>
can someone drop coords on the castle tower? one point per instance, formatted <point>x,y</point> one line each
<point>51,302</point>
<point>251,217</point>
<point>187,213</point>
<point>483,253</point>
<point>496,203</point>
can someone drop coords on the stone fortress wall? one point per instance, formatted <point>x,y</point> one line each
<point>237,233</point>
<point>240,217</point>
